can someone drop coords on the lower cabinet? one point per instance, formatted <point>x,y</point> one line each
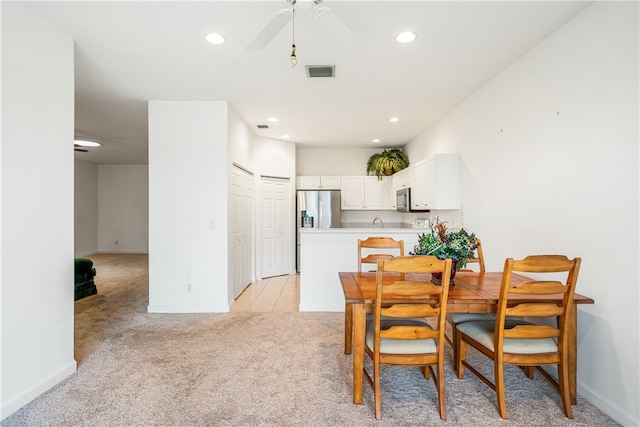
<point>366,193</point>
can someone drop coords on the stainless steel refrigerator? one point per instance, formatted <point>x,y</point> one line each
<point>316,209</point>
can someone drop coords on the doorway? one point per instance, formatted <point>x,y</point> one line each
<point>275,226</point>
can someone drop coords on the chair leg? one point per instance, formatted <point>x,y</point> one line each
<point>461,348</point>
<point>498,367</point>
<point>529,370</point>
<point>376,389</point>
<point>440,386</point>
<point>426,372</point>
<point>455,346</point>
<point>565,394</point>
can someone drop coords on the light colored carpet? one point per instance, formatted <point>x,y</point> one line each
<point>252,369</point>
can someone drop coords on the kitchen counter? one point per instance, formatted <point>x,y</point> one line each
<point>325,252</point>
<point>377,225</point>
<point>373,231</point>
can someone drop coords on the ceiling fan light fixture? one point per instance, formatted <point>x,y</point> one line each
<point>406,37</point>
<point>85,143</point>
<point>294,58</point>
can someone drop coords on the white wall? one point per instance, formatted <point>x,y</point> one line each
<point>333,161</point>
<point>241,142</point>
<point>550,155</point>
<point>123,200</point>
<point>85,208</point>
<point>37,268</point>
<point>188,206</point>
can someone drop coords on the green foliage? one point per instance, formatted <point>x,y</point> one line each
<point>388,162</point>
<point>444,243</point>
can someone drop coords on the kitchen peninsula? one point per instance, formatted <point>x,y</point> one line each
<point>329,251</point>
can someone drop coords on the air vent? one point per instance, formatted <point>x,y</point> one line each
<point>264,127</point>
<point>320,71</point>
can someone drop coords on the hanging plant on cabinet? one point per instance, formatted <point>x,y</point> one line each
<point>388,162</point>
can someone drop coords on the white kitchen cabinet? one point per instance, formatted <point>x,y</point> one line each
<point>419,186</point>
<point>436,183</point>
<point>365,193</point>
<point>318,182</point>
<point>402,179</point>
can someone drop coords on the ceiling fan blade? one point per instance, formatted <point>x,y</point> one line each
<point>82,150</point>
<point>336,28</point>
<point>274,26</point>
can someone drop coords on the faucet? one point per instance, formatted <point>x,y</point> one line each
<point>378,219</point>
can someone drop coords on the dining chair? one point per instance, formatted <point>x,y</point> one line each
<point>515,341</point>
<point>390,248</point>
<point>403,340</point>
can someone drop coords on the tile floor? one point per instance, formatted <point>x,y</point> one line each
<point>279,294</point>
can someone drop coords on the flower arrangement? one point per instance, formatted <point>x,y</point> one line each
<point>444,243</point>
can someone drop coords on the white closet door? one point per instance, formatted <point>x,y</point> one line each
<point>242,226</point>
<point>276,231</point>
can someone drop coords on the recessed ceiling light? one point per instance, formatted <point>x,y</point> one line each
<point>406,37</point>
<point>394,119</point>
<point>85,143</point>
<point>285,136</point>
<point>214,38</point>
<point>272,119</point>
<point>375,141</point>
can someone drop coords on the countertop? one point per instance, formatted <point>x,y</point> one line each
<point>358,227</point>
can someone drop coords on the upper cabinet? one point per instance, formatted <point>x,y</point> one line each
<point>402,179</point>
<point>318,183</point>
<point>436,183</point>
<point>366,193</point>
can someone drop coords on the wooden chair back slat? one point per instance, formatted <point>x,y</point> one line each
<point>535,310</point>
<point>410,310</point>
<point>539,287</point>
<point>409,333</point>
<point>395,247</point>
<point>532,332</point>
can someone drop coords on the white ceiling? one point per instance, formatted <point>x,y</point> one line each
<point>130,52</point>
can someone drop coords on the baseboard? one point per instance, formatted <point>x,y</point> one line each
<point>18,402</point>
<point>607,406</point>
<point>177,309</point>
<point>84,254</point>
<point>124,252</point>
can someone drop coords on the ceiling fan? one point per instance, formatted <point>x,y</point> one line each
<point>327,18</point>
<point>82,145</point>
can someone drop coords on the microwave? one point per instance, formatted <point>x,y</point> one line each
<point>403,200</point>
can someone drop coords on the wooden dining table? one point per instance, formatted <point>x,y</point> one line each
<point>472,293</point>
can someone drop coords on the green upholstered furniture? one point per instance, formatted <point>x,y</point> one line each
<point>85,272</point>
